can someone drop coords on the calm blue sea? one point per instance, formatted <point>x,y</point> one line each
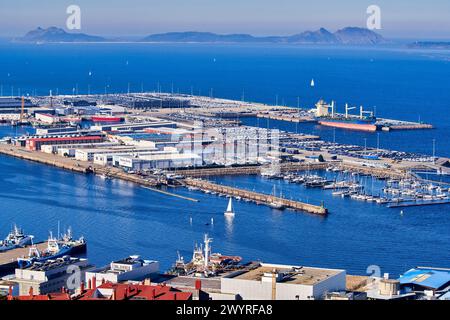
<point>120,219</point>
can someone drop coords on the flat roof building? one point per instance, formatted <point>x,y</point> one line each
<point>132,268</point>
<point>157,160</point>
<point>50,276</point>
<point>89,154</point>
<point>263,281</point>
<point>36,143</point>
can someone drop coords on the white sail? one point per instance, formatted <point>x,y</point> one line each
<point>230,211</point>
<point>312,83</point>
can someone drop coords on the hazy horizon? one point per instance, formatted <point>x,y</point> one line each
<point>134,18</point>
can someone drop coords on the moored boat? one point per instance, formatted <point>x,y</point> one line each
<point>15,239</point>
<point>56,248</point>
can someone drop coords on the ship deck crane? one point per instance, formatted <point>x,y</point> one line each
<point>347,108</point>
<point>362,112</point>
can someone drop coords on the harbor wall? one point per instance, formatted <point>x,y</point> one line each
<point>257,197</point>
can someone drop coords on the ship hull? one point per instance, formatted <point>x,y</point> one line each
<point>350,126</point>
<point>24,242</point>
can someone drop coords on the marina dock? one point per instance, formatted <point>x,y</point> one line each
<point>256,197</point>
<point>417,204</point>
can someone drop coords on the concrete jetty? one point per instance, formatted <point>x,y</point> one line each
<point>256,197</point>
<point>249,170</point>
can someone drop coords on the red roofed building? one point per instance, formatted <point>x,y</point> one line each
<point>36,143</point>
<point>118,291</point>
<point>115,291</point>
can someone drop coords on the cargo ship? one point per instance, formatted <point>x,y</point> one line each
<point>15,239</point>
<point>366,121</point>
<point>106,119</point>
<point>56,248</point>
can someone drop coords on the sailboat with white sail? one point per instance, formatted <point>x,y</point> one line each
<point>230,210</point>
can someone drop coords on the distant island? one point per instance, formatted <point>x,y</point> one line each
<point>430,45</point>
<point>345,36</point>
<point>349,35</point>
<point>54,34</point>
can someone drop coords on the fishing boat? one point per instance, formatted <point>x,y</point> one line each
<point>56,248</point>
<point>204,263</point>
<point>230,210</point>
<point>15,239</point>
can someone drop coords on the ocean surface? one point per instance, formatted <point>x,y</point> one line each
<point>119,218</point>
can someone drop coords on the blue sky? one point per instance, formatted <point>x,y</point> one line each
<point>400,18</point>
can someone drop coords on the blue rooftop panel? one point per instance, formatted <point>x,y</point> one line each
<point>426,277</point>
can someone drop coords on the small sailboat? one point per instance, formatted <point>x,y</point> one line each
<point>312,83</point>
<point>275,204</point>
<point>230,210</point>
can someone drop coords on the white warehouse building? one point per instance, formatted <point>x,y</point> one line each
<point>281,282</point>
<point>157,161</point>
<point>88,154</point>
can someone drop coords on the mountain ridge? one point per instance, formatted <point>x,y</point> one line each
<point>345,36</point>
<point>54,34</point>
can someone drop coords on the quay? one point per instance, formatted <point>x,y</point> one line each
<point>171,194</point>
<point>417,204</point>
<point>249,170</point>
<point>256,197</point>
<point>376,172</point>
<point>287,118</point>
<point>73,165</point>
<point>41,157</point>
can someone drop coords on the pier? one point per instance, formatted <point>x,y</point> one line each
<point>73,165</point>
<point>48,159</point>
<point>417,204</point>
<point>290,117</point>
<point>256,197</point>
<point>376,172</point>
<point>249,170</point>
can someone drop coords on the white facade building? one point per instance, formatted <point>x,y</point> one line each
<point>156,160</point>
<point>132,268</point>
<point>50,276</point>
<point>281,282</point>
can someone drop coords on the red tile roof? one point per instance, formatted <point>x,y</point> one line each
<point>66,138</point>
<point>133,292</point>
<point>114,291</point>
